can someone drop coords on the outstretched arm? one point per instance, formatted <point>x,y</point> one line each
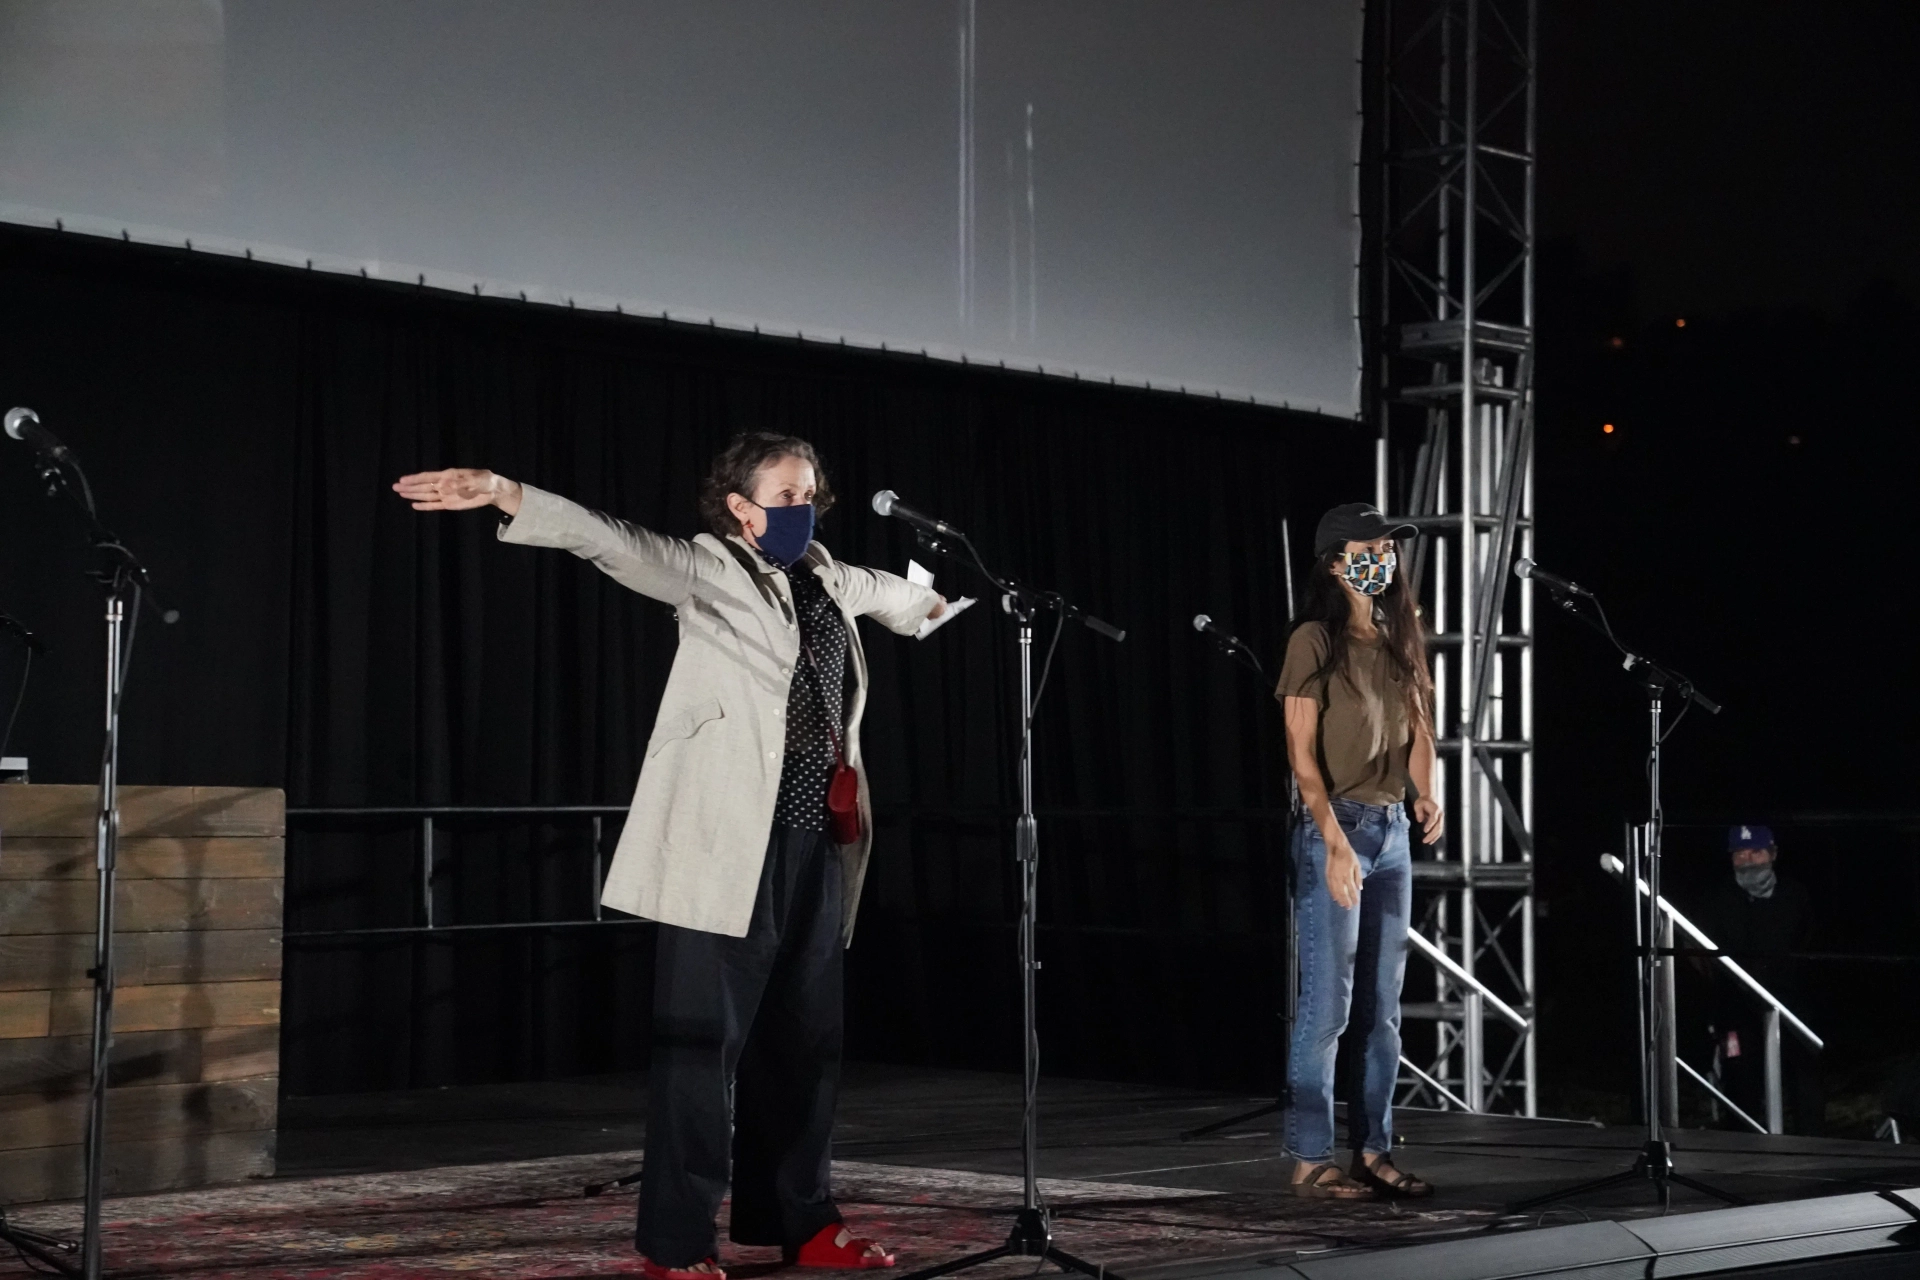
<point>887,598</point>
<point>667,569</point>
<point>460,489</point>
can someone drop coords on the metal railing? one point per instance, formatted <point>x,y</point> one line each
<point>429,821</point>
<point>432,820</point>
<point>429,818</point>
<point>1777,1012</point>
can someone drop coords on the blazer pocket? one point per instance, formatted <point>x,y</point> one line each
<point>684,725</point>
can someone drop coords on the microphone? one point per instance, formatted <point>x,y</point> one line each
<point>1201,622</point>
<point>1525,568</point>
<point>24,425</point>
<point>27,637</point>
<point>887,503</point>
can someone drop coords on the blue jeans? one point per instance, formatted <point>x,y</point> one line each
<point>1340,950</point>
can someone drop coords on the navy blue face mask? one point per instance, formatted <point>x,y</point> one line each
<point>789,533</point>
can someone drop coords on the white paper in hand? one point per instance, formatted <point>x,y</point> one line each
<point>921,576</point>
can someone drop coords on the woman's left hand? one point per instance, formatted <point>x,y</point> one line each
<point>938,609</point>
<point>1432,820</point>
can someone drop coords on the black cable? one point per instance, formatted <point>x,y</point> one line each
<point>18,698</point>
<point>1059,624</point>
<point>1686,705</point>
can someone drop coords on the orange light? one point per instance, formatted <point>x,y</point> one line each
<point>1679,324</point>
<point>1607,428</point>
<point>1616,343</point>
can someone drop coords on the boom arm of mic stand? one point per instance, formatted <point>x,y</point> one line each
<point>1649,670</point>
<point>1027,597</point>
<point>120,565</point>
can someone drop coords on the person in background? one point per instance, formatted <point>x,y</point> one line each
<point>1760,918</point>
<point>734,843</point>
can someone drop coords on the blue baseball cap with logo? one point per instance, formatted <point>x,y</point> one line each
<point>1748,837</point>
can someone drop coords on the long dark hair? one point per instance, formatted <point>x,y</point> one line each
<point>1400,631</point>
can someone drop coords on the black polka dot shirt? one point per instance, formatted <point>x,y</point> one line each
<point>808,768</point>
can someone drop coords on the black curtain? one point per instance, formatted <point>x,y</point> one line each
<point>243,423</point>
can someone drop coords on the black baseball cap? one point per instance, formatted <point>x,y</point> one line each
<point>1355,522</point>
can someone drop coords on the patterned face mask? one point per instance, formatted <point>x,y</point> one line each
<point>1369,573</point>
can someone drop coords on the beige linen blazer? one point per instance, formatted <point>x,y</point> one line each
<point>697,833</point>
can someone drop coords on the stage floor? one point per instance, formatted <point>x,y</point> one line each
<point>487,1180</point>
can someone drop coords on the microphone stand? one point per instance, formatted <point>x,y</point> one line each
<point>1032,1234</point>
<point>125,582</point>
<point>1654,1163</point>
<point>1246,657</point>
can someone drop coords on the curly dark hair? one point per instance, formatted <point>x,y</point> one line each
<point>735,467</point>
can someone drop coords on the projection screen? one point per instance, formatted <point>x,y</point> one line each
<point>1152,191</point>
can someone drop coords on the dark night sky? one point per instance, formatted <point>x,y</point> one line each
<point>1734,155</point>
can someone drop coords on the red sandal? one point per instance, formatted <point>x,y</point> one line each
<point>654,1271</point>
<point>821,1251</point>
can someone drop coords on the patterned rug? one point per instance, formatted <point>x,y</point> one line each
<point>528,1218</point>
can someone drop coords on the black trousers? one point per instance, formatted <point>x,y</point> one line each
<point>746,1066</point>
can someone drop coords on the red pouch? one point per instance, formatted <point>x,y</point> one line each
<point>843,801</point>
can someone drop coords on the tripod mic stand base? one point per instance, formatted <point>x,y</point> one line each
<point>60,1255</point>
<point>1654,1164</point>
<point>1234,1122</point>
<point>1031,1237</point>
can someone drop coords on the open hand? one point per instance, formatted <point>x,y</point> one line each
<point>1343,872</point>
<point>1432,820</point>
<point>458,489</point>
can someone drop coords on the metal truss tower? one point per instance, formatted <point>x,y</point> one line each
<point>1451,277</point>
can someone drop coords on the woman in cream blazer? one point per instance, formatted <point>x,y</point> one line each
<point>726,844</point>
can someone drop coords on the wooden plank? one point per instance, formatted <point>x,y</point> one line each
<point>133,1168</point>
<point>141,906</point>
<point>25,1014</point>
<point>58,1065</point>
<point>67,810</point>
<point>31,962</point>
<point>145,858</point>
<point>180,1112</point>
<point>164,1008</point>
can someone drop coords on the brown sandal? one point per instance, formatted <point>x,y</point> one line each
<point>1391,1181</point>
<point>1326,1182</point>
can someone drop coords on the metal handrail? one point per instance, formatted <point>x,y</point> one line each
<point>1460,975</point>
<point>1725,1101</point>
<point>1777,1012</point>
<point>1434,1084</point>
<point>1616,868</point>
<point>426,814</point>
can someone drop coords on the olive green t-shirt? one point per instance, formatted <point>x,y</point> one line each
<point>1365,737</point>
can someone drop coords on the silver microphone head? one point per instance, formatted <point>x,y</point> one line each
<point>1200,621</point>
<point>17,416</point>
<point>882,501</point>
<point>1523,568</point>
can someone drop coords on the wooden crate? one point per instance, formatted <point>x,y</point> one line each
<point>196,1057</point>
